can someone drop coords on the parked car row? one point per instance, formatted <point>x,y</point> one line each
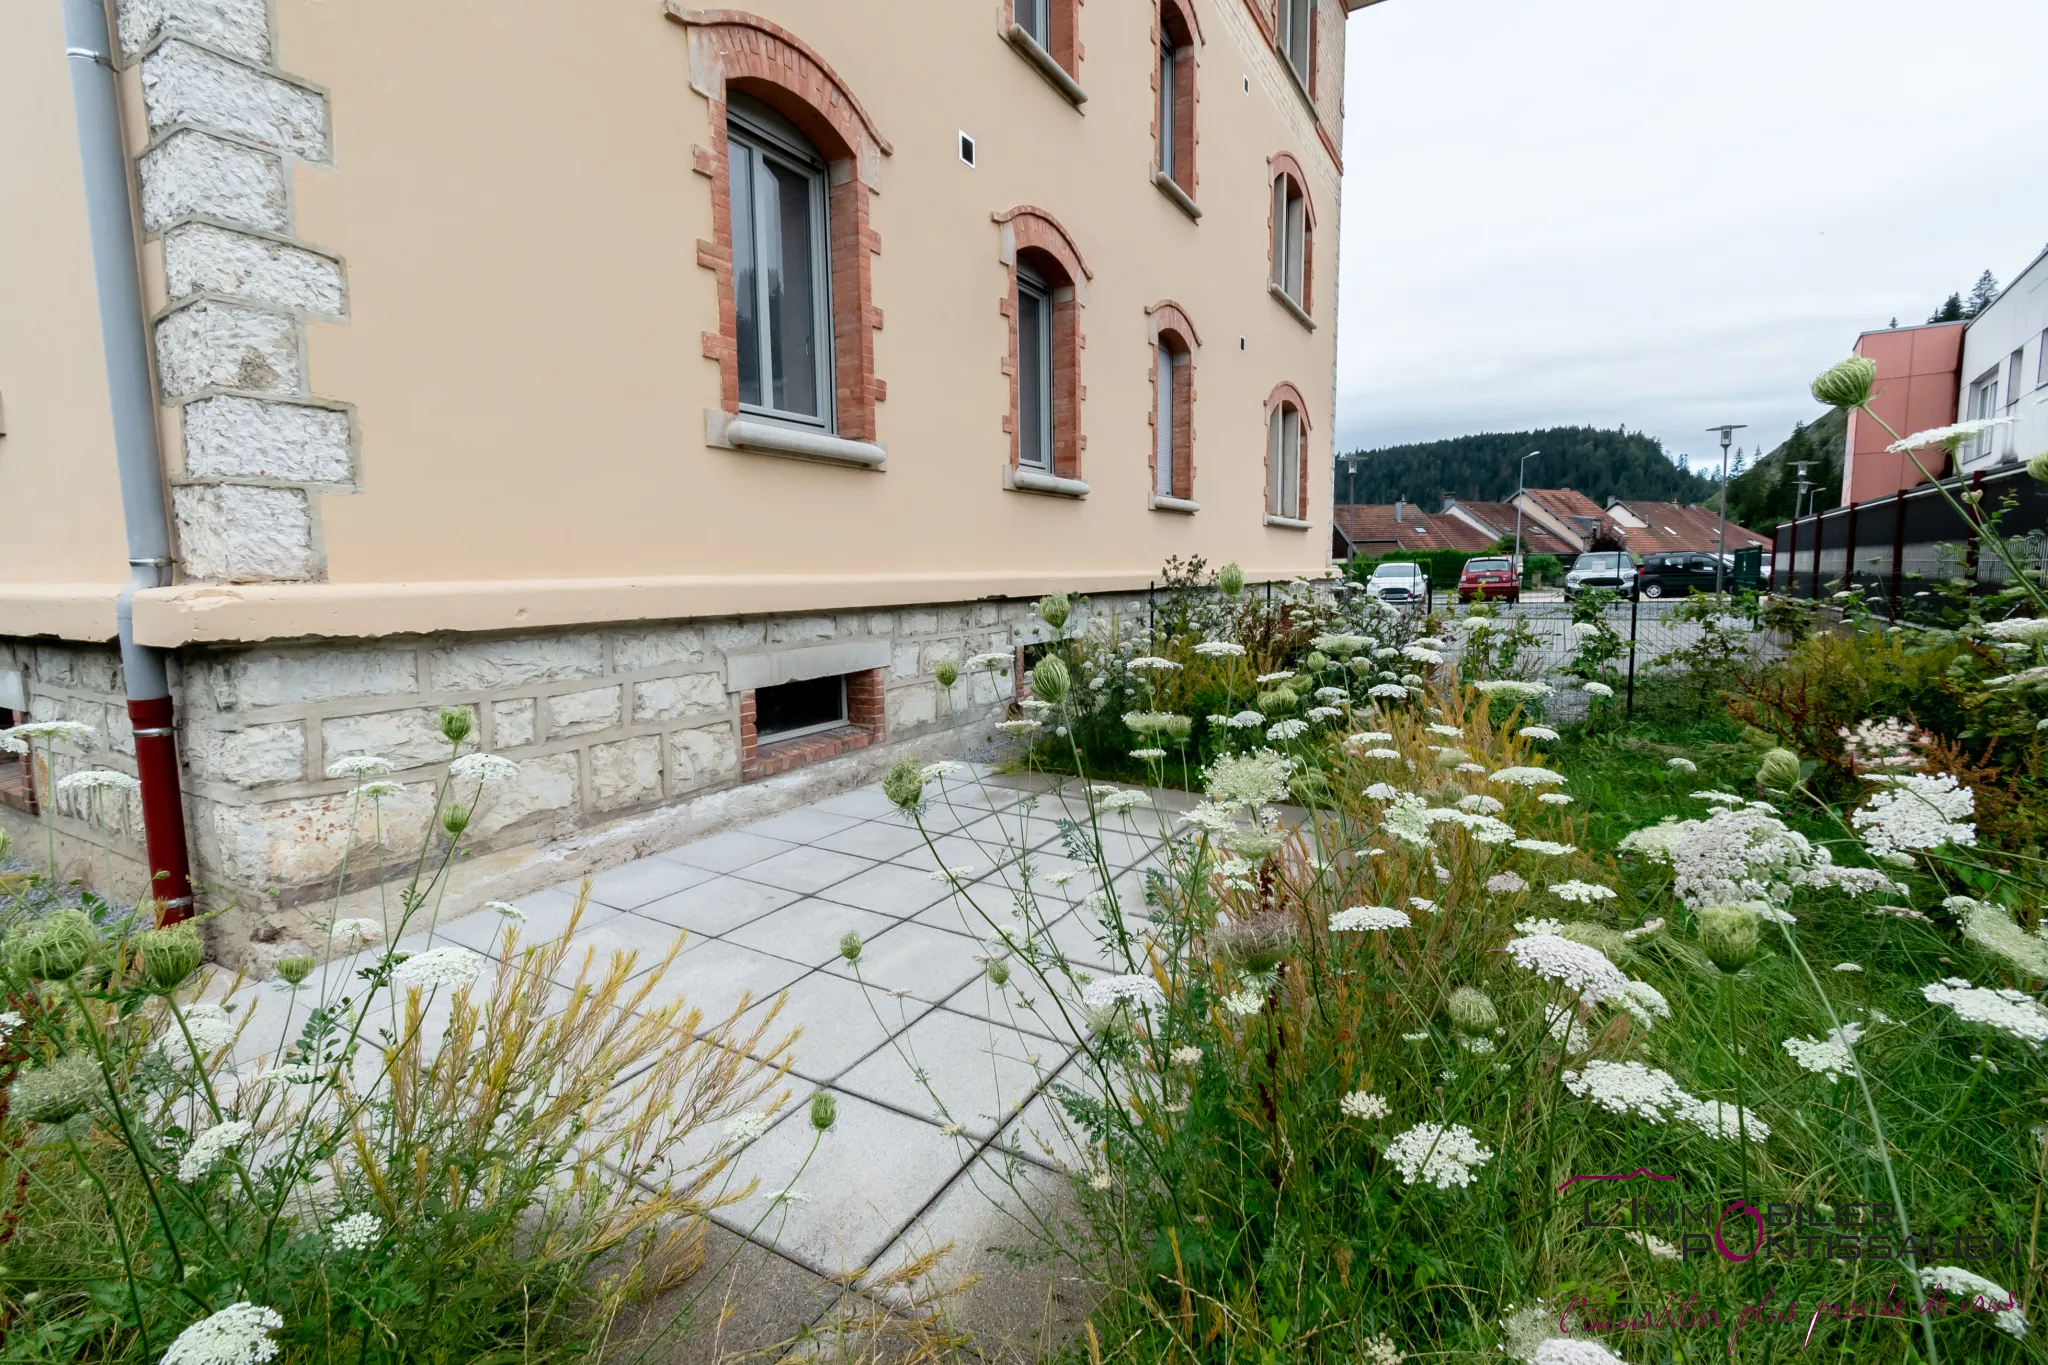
<point>1493,577</point>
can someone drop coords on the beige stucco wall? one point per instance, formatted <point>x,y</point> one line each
<point>512,196</point>
<point>62,555</point>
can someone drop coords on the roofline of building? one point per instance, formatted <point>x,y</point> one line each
<point>1913,327</point>
<point>1968,323</point>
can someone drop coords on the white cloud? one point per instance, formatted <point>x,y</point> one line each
<point>1664,215</point>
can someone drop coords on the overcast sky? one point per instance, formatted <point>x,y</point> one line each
<point>1661,214</point>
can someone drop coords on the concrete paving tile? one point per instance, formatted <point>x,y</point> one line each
<point>935,818</point>
<point>1024,1003</point>
<point>842,1023</point>
<point>954,1069</point>
<point>863,803</point>
<point>718,906</point>
<point>809,930</point>
<point>714,976</point>
<point>869,1176</point>
<point>646,940</point>
<point>644,880</point>
<point>806,825</point>
<point>1078,938</point>
<point>745,1303</point>
<point>889,889</point>
<point>547,915</point>
<point>805,869</point>
<point>873,839</point>
<point>954,850</point>
<point>929,963</point>
<point>1044,1133</point>
<point>727,852</point>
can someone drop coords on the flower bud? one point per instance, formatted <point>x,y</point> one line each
<point>1230,579</point>
<point>947,672</point>
<point>1049,679</point>
<point>64,1089</point>
<point>1318,662</point>
<point>824,1110</point>
<point>295,968</point>
<point>1779,771</point>
<point>169,955</point>
<point>455,819</point>
<point>1277,701</point>
<point>1730,935</point>
<point>1846,385</point>
<point>1472,1011</point>
<point>999,973</point>
<point>455,723</point>
<point>1177,728</point>
<point>849,947</point>
<point>904,784</point>
<point>1054,609</point>
<point>57,946</point>
<point>2038,466</point>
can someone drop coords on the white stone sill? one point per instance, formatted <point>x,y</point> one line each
<point>1176,194</point>
<point>1289,523</point>
<point>1018,480</point>
<point>1300,314</point>
<point>1162,503</point>
<point>1047,65</point>
<point>751,434</point>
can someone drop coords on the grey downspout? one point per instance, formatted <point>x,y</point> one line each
<point>104,160</point>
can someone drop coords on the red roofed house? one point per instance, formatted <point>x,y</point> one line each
<point>1647,527</point>
<point>1497,519</point>
<point>1380,529</point>
<point>1566,513</point>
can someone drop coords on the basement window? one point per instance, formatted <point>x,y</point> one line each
<point>790,709</point>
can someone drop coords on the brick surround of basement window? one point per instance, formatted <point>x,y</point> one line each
<point>866,724</point>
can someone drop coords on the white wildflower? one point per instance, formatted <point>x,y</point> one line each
<point>1186,1056</point>
<point>1644,1003</point>
<point>1848,966</point>
<point>1383,754</point>
<point>70,732</point>
<point>1387,691</point>
<point>993,662</point>
<point>1148,755</point>
<point>1582,893</point>
<point>1480,804</point>
<point>1220,649</point>
<point>1369,737</point>
<point>359,930</point>
<point>1134,989</point>
<point>944,770</point>
<point>1369,917</point>
<point>209,1027</point>
<point>1542,732</point>
<point>1828,1056</point>
<point>1151,662</point>
<point>238,1334</point>
<point>1728,1121</point>
<point>1583,970</point>
<point>1513,689</point>
<point>1427,907</point>
<point>379,791</point>
<point>505,910</point>
<point>1506,884</point>
<point>1993,927</point>
<point>98,780</point>
<point>1447,731</point>
<point>1245,1003</point>
<point>1917,811</point>
<point>1363,1104</point>
<point>1539,926</point>
<point>1659,1249</point>
<point>1017,727</point>
<point>484,768</point>
<point>357,1232</point>
<point>209,1147</point>
<point>1383,791</point>
<point>1683,765</point>
<point>1597,689</point>
<point>1941,436</point>
<point>744,1128</point>
<point>1258,779</point>
<point>360,765</point>
<point>1320,714</point>
<point>1439,1155</point>
<point>1628,1088</point>
<point>2007,1011</point>
<point>1547,848</point>
<point>1529,777</point>
<point>1246,719</point>
<point>447,966</point>
<point>2009,1317</point>
<point>1284,730</point>
<point>1725,798</point>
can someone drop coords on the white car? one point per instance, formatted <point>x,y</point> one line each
<point>1398,584</point>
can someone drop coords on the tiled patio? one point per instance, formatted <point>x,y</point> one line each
<point>944,1131</point>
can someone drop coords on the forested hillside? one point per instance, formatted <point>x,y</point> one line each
<point>1763,495</point>
<point>1599,463</point>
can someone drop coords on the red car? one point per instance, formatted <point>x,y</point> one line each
<point>1492,577</point>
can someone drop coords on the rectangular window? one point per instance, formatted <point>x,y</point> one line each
<point>781,297</point>
<point>1163,438</point>
<point>2041,361</point>
<point>1290,234</point>
<point>1034,371</point>
<point>1294,35</point>
<point>1169,57</point>
<point>1035,18</point>
<point>1283,453</point>
<point>790,709</point>
<point>2015,367</point>
<point>1983,403</point>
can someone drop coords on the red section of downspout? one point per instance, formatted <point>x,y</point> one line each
<point>163,807</point>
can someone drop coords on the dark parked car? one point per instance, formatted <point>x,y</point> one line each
<point>1611,569</point>
<point>1678,574</point>
<point>1491,577</point>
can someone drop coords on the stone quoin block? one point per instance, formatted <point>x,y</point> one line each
<point>543,784</point>
<point>484,665</point>
<point>241,27</point>
<point>514,723</point>
<point>227,437</point>
<point>699,758</point>
<point>243,535</point>
<point>693,694</point>
<point>225,346</point>
<point>410,738</point>
<point>626,772</point>
<point>190,172</point>
<point>582,713</point>
<point>200,258</point>
<point>256,756</point>
<point>182,83</point>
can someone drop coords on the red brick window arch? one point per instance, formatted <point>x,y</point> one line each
<point>1047,290</point>
<point>1287,432</point>
<point>1292,240</point>
<point>1174,343</point>
<point>784,127</point>
<point>1173,81</point>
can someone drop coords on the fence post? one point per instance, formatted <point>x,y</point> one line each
<point>1899,555</point>
<point>1972,517</point>
<point>1791,587</point>
<point>1819,534</point>
<point>1849,553</point>
<point>1635,601</point>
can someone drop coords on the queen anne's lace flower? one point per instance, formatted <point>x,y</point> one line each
<point>357,1232</point>
<point>1529,777</point>
<point>483,768</point>
<point>1644,1003</point>
<point>1829,1056</point>
<point>1574,1351</point>
<point>1480,804</point>
<point>360,765</point>
<point>209,1147</point>
<point>238,1334</point>
<point>1323,713</point>
<point>1597,689</point>
<point>1683,765</point>
<point>1582,893</point>
<point>74,733</point>
<point>1983,1295</point>
<point>1134,989</point>
<point>1917,811</point>
<point>436,967</point>
<point>1513,689</point>
<point>1505,884</point>
<point>1257,779</point>
<point>1628,1088</point>
<point>1447,731</point>
<point>1992,927</point>
<point>1554,798</point>
<point>1245,1003</point>
<point>1539,732</point>
<point>2008,1011</point>
<point>1186,1056</point>
<point>208,1025</point>
<point>1546,847</point>
<point>1363,1104</point>
<point>1369,917</point>
<point>1220,649</point>
<point>362,930</point>
<point>1439,1155</point>
<point>1387,691</point>
<point>744,1128</point>
<point>1728,1121</point>
<point>1583,970</point>
<point>1246,719</point>
<point>1283,730</point>
<point>98,780</point>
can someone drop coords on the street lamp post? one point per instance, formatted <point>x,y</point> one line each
<point>1727,431</point>
<point>1521,487</point>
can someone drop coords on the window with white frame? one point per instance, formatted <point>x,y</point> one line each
<point>1983,403</point>
<point>2041,361</point>
<point>781,267</point>
<point>1297,31</point>
<point>1173,472</point>
<point>1034,369</point>
<point>1290,240</point>
<point>1284,456</point>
